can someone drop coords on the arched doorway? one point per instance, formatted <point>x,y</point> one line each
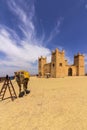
<point>70,72</point>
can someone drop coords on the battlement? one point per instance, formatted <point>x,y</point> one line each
<point>42,57</point>
<point>57,51</point>
<point>59,67</point>
<point>78,54</point>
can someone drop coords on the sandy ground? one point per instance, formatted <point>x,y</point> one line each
<point>53,104</point>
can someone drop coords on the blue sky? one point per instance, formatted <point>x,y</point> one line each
<point>31,28</point>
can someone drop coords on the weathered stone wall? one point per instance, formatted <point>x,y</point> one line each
<point>47,68</point>
<point>42,62</point>
<point>71,70</point>
<point>79,63</point>
<point>53,64</point>
<point>59,66</point>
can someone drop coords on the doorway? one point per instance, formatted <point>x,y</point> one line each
<point>70,72</point>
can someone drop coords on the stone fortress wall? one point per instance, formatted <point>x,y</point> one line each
<point>59,66</point>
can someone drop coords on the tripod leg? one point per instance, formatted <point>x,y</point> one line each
<point>3,87</point>
<point>4,92</point>
<point>13,89</point>
<point>10,92</point>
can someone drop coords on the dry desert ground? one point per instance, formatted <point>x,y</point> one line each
<point>52,104</point>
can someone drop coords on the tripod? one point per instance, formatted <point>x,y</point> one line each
<point>8,84</point>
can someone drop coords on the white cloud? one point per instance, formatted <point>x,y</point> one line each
<point>69,60</point>
<point>84,3</point>
<point>19,56</point>
<point>86,6</point>
<point>26,18</point>
<point>25,54</point>
<point>85,59</point>
<point>55,31</point>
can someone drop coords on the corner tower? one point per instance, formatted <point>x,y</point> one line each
<point>41,63</point>
<point>79,63</point>
<point>54,63</point>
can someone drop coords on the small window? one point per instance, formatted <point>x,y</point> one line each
<point>60,64</point>
<point>53,65</point>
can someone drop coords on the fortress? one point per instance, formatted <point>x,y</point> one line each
<point>59,66</point>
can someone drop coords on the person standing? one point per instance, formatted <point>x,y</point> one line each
<point>22,77</point>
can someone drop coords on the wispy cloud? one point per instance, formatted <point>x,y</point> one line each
<point>21,52</point>
<point>25,16</point>
<point>19,56</point>
<point>84,3</point>
<point>86,6</point>
<point>55,31</point>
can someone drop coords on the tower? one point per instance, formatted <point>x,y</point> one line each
<point>58,64</point>
<point>79,63</point>
<point>53,63</point>
<point>41,63</point>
